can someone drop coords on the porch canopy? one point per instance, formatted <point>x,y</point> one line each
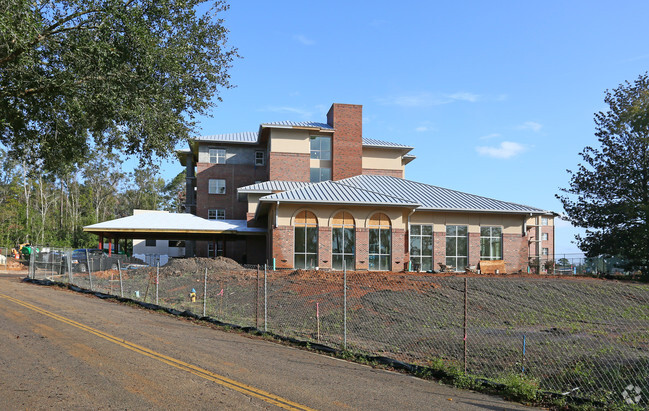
<point>170,226</point>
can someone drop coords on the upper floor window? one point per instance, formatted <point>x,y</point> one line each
<point>216,186</point>
<point>320,148</point>
<point>217,155</point>
<point>216,214</point>
<point>259,158</point>
<point>544,221</point>
<point>544,236</point>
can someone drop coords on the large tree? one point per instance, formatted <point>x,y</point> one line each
<point>128,75</point>
<point>609,192</point>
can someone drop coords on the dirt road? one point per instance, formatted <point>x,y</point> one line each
<point>66,350</point>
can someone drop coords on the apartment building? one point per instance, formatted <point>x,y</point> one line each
<point>327,196</point>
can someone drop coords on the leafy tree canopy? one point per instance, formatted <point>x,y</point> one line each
<point>609,192</point>
<point>128,75</point>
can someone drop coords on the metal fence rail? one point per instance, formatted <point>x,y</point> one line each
<point>586,336</point>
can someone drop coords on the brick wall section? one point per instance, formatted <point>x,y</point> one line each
<point>515,252</point>
<point>362,248</point>
<point>474,249</point>
<point>399,255</point>
<point>347,120</point>
<point>289,166</point>
<point>235,176</point>
<point>379,172</point>
<point>324,247</point>
<point>282,246</point>
<point>439,249</point>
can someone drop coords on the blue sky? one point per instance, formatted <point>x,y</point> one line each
<point>497,97</point>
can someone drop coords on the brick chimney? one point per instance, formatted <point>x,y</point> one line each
<point>347,142</point>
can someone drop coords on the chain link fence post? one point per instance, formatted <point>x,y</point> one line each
<point>265,299</point>
<point>121,284</point>
<point>344,305</point>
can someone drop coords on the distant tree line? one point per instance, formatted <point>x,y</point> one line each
<point>52,209</point>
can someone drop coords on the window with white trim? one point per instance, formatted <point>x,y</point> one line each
<point>217,155</point>
<point>491,243</point>
<point>216,186</point>
<point>421,247</point>
<point>457,246</point>
<point>544,236</point>
<point>306,240</point>
<point>380,243</point>
<point>219,248</point>
<point>343,241</point>
<point>545,251</point>
<point>216,214</point>
<point>260,156</point>
<point>320,148</point>
<point>544,221</point>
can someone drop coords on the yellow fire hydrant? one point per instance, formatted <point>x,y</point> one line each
<point>192,295</point>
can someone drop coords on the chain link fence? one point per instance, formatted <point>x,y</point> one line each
<point>583,337</point>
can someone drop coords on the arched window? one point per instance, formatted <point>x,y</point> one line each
<point>380,244</point>
<point>306,240</point>
<point>343,241</point>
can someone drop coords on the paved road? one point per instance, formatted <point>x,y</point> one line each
<point>61,349</point>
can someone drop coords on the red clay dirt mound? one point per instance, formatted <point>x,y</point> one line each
<point>177,267</point>
<point>15,265</point>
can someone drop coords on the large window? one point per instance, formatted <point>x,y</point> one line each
<point>491,243</point>
<point>216,186</point>
<point>217,155</point>
<point>320,174</point>
<point>306,240</point>
<point>380,243</point>
<point>457,246</point>
<point>320,148</point>
<point>421,247</point>
<point>343,241</point>
<point>219,248</point>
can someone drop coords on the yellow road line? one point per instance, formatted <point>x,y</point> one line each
<point>219,379</point>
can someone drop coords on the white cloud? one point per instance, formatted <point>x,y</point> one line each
<point>490,136</point>
<point>464,96</point>
<point>303,114</point>
<point>304,40</point>
<point>506,149</point>
<point>530,125</point>
<point>426,99</point>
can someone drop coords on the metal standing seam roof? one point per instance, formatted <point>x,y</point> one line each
<point>243,137</point>
<point>272,186</point>
<point>435,198</point>
<point>172,222</point>
<point>387,190</point>
<point>252,137</point>
<point>311,124</point>
<point>371,142</point>
<point>336,192</point>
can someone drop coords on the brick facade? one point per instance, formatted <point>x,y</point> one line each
<point>380,172</point>
<point>362,248</point>
<point>289,166</point>
<point>399,256</point>
<point>347,120</point>
<point>324,247</point>
<point>515,252</point>
<point>235,176</point>
<point>282,246</point>
<point>439,249</point>
<point>474,249</point>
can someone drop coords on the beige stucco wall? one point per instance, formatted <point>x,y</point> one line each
<point>511,224</point>
<point>290,141</point>
<point>534,221</point>
<point>382,159</point>
<point>325,213</point>
<point>253,202</point>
